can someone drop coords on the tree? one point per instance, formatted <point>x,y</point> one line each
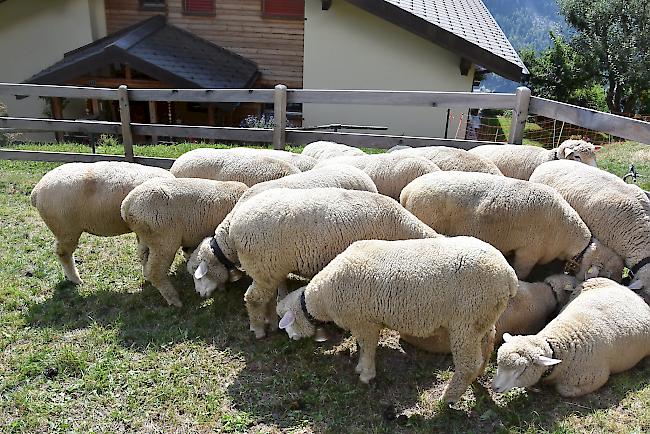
<point>555,73</point>
<point>613,37</point>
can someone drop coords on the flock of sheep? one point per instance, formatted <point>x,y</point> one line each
<point>413,240</point>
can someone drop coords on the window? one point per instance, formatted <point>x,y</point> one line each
<point>198,7</point>
<point>294,9</point>
<point>153,5</point>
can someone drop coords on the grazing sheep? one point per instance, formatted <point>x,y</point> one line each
<point>390,172</point>
<point>231,165</point>
<point>173,213</point>
<point>86,197</point>
<point>294,231</point>
<point>330,176</point>
<point>527,312</point>
<point>452,159</point>
<point>302,162</point>
<point>518,161</point>
<point>617,213</point>
<point>530,220</point>
<point>323,150</point>
<point>414,287</point>
<point>604,330</point>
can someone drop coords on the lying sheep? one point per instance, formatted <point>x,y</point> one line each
<point>605,330</point>
<point>452,159</point>
<point>527,312</point>
<point>414,287</point>
<point>173,213</point>
<point>330,176</point>
<point>294,231</point>
<point>390,172</point>
<point>323,150</point>
<point>230,165</point>
<point>517,161</point>
<point>86,197</point>
<point>529,220</point>
<point>617,213</point>
<point>302,162</point>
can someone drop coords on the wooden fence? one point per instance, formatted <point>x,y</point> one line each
<point>521,103</point>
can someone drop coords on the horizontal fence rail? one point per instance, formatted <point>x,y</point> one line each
<point>521,103</point>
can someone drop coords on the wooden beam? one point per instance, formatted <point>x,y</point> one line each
<point>127,72</point>
<point>117,82</point>
<point>153,118</point>
<point>230,134</point>
<point>61,91</point>
<point>83,126</point>
<point>125,117</point>
<point>520,116</point>
<point>280,116</point>
<point>204,95</point>
<point>211,117</point>
<point>69,157</point>
<point>57,113</point>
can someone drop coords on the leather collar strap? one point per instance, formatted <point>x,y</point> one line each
<point>640,265</point>
<point>549,371</point>
<point>573,264</point>
<point>216,250</point>
<point>310,318</point>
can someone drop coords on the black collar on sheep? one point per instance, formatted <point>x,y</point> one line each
<point>310,318</point>
<point>216,250</point>
<point>573,264</point>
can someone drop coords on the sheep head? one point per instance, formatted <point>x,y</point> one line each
<point>521,362</point>
<point>600,261</point>
<point>208,273</point>
<point>293,319</point>
<point>578,150</point>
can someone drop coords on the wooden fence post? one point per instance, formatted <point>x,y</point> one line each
<point>520,116</point>
<point>125,118</point>
<point>280,116</point>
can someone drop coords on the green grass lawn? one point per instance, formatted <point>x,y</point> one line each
<point>110,356</point>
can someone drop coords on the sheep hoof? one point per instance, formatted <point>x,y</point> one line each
<point>259,333</point>
<point>358,369</point>
<point>75,280</point>
<point>365,378</point>
<point>176,303</point>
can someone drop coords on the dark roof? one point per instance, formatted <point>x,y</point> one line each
<point>462,26</point>
<point>160,50</point>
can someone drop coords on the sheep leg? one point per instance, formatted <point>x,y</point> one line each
<point>523,264</point>
<point>158,263</point>
<point>487,346</point>
<point>594,379</point>
<point>272,316</point>
<point>367,338</point>
<point>143,253</point>
<point>468,359</point>
<point>65,247</point>
<point>257,304</point>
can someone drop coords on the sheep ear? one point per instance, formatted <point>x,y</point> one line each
<point>507,337</point>
<point>592,272</point>
<point>287,320</point>
<point>547,361</point>
<point>201,271</point>
<point>636,286</point>
<point>234,275</point>
<point>567,152</point>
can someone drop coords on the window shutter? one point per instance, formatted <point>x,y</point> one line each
<point>199,6</point>
<point>284,8</point>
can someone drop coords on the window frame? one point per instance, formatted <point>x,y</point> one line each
<point>211,13</point>
<point>266,14</point>
<point>153,5</point>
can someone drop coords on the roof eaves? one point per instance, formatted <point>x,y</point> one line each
<point>443,37</point>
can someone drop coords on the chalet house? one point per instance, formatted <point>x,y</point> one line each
<point>317,44</point>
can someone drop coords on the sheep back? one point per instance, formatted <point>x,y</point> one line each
<point>453,159</point>
<point>322,150</point>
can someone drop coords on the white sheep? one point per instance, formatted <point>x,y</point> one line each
<point>231,165</point>
<point>518,161</point>
<point>86,197</point>
<point>618,214</point>
<point>173,213</point>
<point>322,150</point>
<point>390,172</point>
<point>415,287</point>
<point>330,176</point>
<point>603,331</point>
<point>527,312</point>
<point>531,221</point>
<point>302,162</point>
<point>294,231</point>
<point>452,159</point>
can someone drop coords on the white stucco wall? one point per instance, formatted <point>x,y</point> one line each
<point>35,34</point>
<point>348,48</point>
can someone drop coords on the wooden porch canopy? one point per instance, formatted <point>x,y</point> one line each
<point>172,57</point>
